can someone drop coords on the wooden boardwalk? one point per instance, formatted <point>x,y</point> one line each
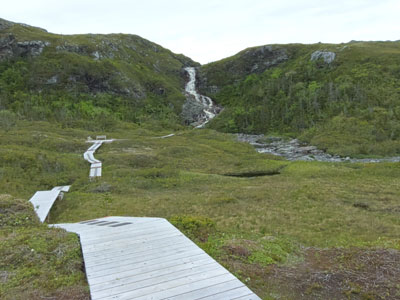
<point>148,258</point>
<point>95,164</point>
<point>43,201</point>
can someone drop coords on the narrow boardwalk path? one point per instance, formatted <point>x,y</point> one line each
<point>43,201</point>
<point>142,258</point>
<point>95,167</point>
<point>148,258</point>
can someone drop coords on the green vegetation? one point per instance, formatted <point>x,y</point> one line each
<point>320,230</point>
<point>89,81</point>
<point>348,107</point>
<point>250,224</point>
<point>37,262</point>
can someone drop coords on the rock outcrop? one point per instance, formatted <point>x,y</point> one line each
<point>251,61</point>
<point>327,56</point>
<point>262,58</point>
<point>4,24</point>
<point>10,47</point>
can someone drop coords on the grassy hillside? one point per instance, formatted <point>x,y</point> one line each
<point>282,233</point>
<point>88,80</point>
<point>318,230</point>
<point>350,106</point>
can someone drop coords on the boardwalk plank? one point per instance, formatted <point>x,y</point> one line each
<point>157,279</point>
<point>208,290</point>
<point>43,201</point>
<point>148,258</point>
<point>95,168</point>
<point>157,271</point>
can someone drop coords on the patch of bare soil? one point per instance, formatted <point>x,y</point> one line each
<point>365,274</point>
<point>76,293</point>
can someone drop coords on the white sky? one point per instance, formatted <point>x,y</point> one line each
<point>210,30</point>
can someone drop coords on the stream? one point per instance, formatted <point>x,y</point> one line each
<point>293,149</point>
<point>209,109</point>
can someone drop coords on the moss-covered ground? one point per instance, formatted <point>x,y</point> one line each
<point>275,232</point>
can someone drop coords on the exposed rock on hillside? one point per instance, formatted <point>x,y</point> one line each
<point>9,47</point>
<point>262,58</point>
<point>191,110</point>
<point>327,56</point>
<point>250,61</point>
<point>4,24</point>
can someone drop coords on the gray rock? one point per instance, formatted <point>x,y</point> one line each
<point>4,24</point>
<point>263,57</point>
<point>52,80</point>
<point>294,150</point>
<point>96,55</point>
<point>307,149</point>
<point>7,44</point>
<point>9,47</point>
<point>251,61</point>
<point>192,111</point>
<point>327,56</point>
<point>72,48</point>
<point>33,48</point>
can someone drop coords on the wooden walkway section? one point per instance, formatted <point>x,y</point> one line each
<point>43,201</point>
<point>148,258</point>
<point>95,164</point>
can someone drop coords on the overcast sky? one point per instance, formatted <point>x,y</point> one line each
<point>210,30</point>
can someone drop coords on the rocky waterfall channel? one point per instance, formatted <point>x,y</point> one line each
<point>293,149</point>
<point>198,109</point>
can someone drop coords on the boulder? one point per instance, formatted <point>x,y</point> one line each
<point>327,56</point>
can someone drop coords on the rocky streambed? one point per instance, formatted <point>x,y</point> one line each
<point>198,109</point>
<point>293,149</point>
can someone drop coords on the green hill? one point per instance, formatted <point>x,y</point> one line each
<point>320,230</point>
<point>76,79</point>
<point>349,106</point>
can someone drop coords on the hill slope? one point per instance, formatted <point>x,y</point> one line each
<point>319,230</point>
<point>86,77</point>
<point>344,98</point>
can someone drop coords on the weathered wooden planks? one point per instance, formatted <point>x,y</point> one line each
<point>43,201</point>
<point>148,258</point>
<point>95,164</point>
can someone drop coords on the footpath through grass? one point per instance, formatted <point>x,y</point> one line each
<point>264,229</point>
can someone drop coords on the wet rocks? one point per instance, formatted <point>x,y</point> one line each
<point>328,57</point>
<point>295,150</point>
<point>198,109</point>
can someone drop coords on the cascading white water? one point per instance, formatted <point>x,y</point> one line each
<point>210,110</point>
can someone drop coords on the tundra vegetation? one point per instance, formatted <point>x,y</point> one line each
<point>289,230</point>
<point>325,230</point>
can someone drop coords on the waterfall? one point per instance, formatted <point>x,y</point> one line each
<point>209,109</point>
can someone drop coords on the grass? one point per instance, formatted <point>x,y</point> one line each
<point>249,224</point>
<point>37,262</point>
